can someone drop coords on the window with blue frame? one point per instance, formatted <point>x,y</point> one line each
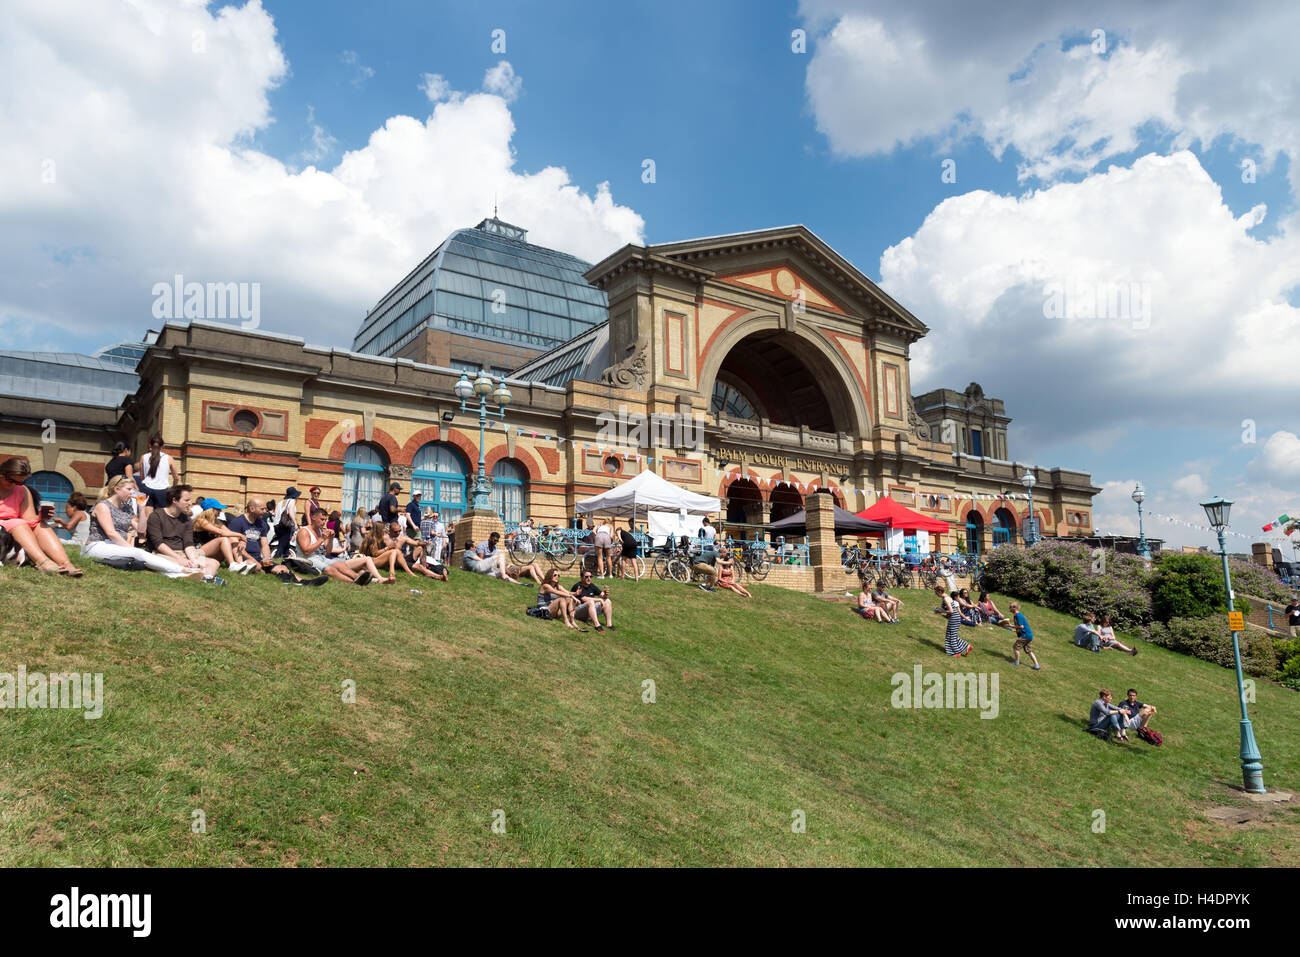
<point>363,477</point>
<point>976,443</point>
<point>974,525</point>
<point>439,473</point>
<point>1004,527</point>
<point>53,489</point>
<point>508,487</point>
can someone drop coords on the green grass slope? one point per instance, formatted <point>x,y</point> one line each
<point>229,700</point>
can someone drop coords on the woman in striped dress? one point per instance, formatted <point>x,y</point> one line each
<point>953,643</point>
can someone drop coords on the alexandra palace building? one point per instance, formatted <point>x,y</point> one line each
<point>760,367</point>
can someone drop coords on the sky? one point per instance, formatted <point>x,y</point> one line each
<point>1095,212</point>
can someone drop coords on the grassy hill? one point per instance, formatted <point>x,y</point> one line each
<point>229,700</point>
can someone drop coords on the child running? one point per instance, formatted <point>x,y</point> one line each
<point>1024,636</point>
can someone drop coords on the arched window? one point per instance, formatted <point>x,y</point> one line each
<point>1004,527</point>
<point>509,481</point>
<point>439,472</point>
<point>785,502</point>
<point>363,477</point>
<point>53,489</point>
<point>974,528</point>
<point>731,402</point>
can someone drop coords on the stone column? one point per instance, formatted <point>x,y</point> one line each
<point>823,552</point>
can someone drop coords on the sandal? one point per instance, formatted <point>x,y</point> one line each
<point>49,571</point>
<point>71,570</point>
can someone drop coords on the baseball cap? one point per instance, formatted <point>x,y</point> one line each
<point>207,503</point>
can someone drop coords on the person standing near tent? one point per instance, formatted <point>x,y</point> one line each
<point>953,643</point>
<point>604,542</point>
<point>631,550</point>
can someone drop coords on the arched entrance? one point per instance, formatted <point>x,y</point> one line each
<point>791,378</point>
<point>363,477</point>
<point>785,500</point>
<point>440,473</point>
<point>744,502</point>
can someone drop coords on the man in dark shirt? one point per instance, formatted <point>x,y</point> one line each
<point>591,601</point>
<point>388,504</point>
<point>252,524</point>
<point>414,515</point>
<point>1138,713</point>
<point>631,547</point>
<point>170,534</point>
<point>1293,617</point>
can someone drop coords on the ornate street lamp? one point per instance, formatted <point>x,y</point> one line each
<point>1031,531</point>
<point>481,493</point>
<point>1252,768</point>
<point>1139,496</point>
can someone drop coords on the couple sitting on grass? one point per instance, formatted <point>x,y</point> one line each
<point>878,605</point>
<point>583,602</point>
<point>1106,718</point>
<point>1096,637</point>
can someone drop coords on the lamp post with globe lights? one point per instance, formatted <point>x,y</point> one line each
<point>1031,533</point>
<point>1139,496</point>
<point>481,493</point>
<point>1252,767</point>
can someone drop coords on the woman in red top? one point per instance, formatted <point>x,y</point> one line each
<point>18,518</point>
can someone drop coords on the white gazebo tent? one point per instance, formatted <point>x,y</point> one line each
<point>668,508</point>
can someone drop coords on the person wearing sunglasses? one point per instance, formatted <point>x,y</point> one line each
<point>593,601</point>
<point>18,517</point>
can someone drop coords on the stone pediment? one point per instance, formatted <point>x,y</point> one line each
<point>784,281</point>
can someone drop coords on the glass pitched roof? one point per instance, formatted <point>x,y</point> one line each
<point>66,377</point>
<point>487,282</point>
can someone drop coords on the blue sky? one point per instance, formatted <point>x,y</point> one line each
<point>266,142</point>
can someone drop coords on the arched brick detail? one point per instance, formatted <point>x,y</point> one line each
<point>461,441</point>
<point>316,429</point>
<point>552,459</point>
<point>381,439</point>
<point>92,473</point>
<point>416,442</point>
<point>521,456</point>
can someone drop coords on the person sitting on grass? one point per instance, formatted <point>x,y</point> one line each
<point>1024,636</point>
<point>593,601</point>
<point>727,575</point>
<point>77,523</point>
<point>486,559</point>
<point>870,609</point>
<point>531,570</point>
<point>311,544</point>
<point>215,540</point>
<point>18,517</point>
<point>702,564</point>
<point>414,547</point>
<point>970,615</point>
<point>380,548</point>
<point>882,597</point>
<point>1106,717</point>
<point>1108,639</point>
<point>1085,633</point>
<point>114,525</point>
<point>554,600</point>
<point>988,611</point>
<point>253,525</point>
<point>170,534</point>
<point>1139,714</point>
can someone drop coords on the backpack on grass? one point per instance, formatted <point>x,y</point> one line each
<point>1097,732</point>
<point>1150,737</point>
<point>532,611</point>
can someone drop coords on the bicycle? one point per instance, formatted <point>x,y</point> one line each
<point>557,544</point>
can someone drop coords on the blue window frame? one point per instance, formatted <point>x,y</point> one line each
<point>974,525</point>
<point>508,486</point>
<point>54,490</point>
<point>439,473</point>
<point>1004,527</point>
<point>363,478</point>
<point>977,443</point>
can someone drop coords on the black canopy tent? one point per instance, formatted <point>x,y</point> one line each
<point>846,523</point>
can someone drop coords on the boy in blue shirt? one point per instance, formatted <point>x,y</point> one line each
<point>1024,636</point>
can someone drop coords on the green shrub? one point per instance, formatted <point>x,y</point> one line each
<point>1288,654</point>
<point>1257,580</point>
<point>1068,577</point>
<point>1188,586</point>
<point>1210,640</point>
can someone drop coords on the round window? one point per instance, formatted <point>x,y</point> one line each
<point>245,421</point>
<point>612,465</point>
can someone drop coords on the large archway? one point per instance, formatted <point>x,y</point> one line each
<point>791,378</point>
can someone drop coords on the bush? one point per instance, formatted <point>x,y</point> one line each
<point>1210,640</point>
<point>1257,580</point>
<point>1188,586</point>
<point>1288,654</point>
<point>1061,576</point>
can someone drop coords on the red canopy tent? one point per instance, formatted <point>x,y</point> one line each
<point>895,515</point>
